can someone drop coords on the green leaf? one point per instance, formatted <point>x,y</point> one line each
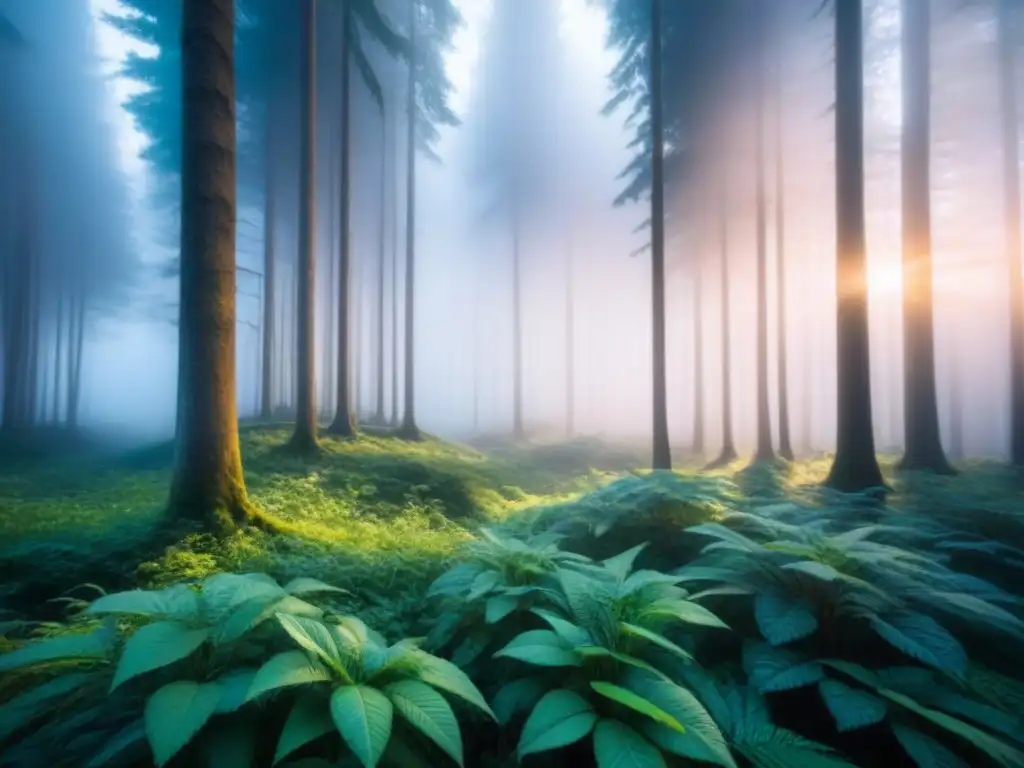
<point>597,651</point>
<point>851,708</point>
<point>816,570</point>
<point>444,629</point>
<point>286,669</point>
<point>363,717</point>
<point>560,718</point>
<point>232,744</point>
<point>621,564</point>
<point>517,696</point>
<point>616,745</point>
<point>921,637</point>
<point>154,646</point>
<point>308,720</point>
<point>92,645</point>
<point>177,602</point>
<point>771,747</point>
<point>628,699</point>
<point>222,593</point>
<point>234,689</point>
<point>998,750</point>
<point>427,711</point>
<point>315,638</point>
<point>457,580</point>
<point>720,532</point>
<point>783,620</point>
<point>306,586</point>
<point>924,750</point>
<point>175,714</point>
<point>250,615</point>
<point>772,670</point>
<point>656,639</point>
<point>582,594</point>
<point>36,702</point>
<point>447,677</point>
<point>498,607</point>
<point>703,739</point>
<point>124,739</point>
<point>541,647</point>
<point>683,610</point>
<point>483,584</point>
<point>569,632</point>
<point>641,579</point>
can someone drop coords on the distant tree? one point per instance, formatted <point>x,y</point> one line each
<point>855,467</point>
<point>208,485</point>
<point>785,443</point>
<point>728,452</point>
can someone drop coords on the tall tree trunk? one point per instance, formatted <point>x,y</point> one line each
<point>304,437</point>
<point>728,453</point>
<point>409,430</point>
<point>855,467</point>
<point>342,424</point>
<point>956,406</point>
<point>785,444</point>
<point>394,269</point>
<point>570,342</point>
<point>922,441</point>
<point>75,394</point>
<point>378,413</point>
<point>1011,207</point>
<point>330,308</point>
<point>269,191</point>
<point>34,315</point>
<point>517,329</point>
<point>58,347</point>
<point>208,485</point>
<point>358,299</point>
<point>661,453</point>
<point>698,361</point>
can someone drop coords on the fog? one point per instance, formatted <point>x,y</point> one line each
<point>533,147</point>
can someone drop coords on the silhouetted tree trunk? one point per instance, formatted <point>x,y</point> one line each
<point>58,347</point>
<point>698,361</point>
<point>304,437</point>
<point>855,467</point>
<point>922,441</point>
<point>1011,206</point>
<point>208,485</point>
<point>378,412</point>
<point>394,269</point>
<point>35,315</point>
<point>269,191</point>
<point>77,347</point>
<point>409,430</point>
<point>661,454</point>
<point>728,453</point>
<point>342,424</point>
<point>765,451</point>
<point>517,329</point>
<point>330,321</point>
<point>356,366</point>
<point>785,444</point>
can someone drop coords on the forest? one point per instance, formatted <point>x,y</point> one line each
<point>495,383</point>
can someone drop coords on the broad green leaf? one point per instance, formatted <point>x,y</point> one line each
<point>924,750</point>
<point>316,638</point>
<point>251,614</point>
<point>656,639</point>
<point>427,711</point>
<point>851,708</point>
<point>702,740</point>
<point>682,610</point>
<point>446,676</point>
<point>177,602</point>
<point>992,718</point>
<point>455,581</point>
<point>1001,752</point>
<point>771,747</point>
<point>483,584</point>
<point>541,647</point>
<point>444,630</point>
<point>306,586</point>
<point>616,745</point>
<point>517,696</point>
<point>363,717</point>
<point>597,651</point>
<point>641,579</point>
<point>621,564</point>
<point>969,605</point>
<point>921,637</point>
<point>569,632</point>
<point>234,689</point>
<point>308,720</point>
<point>817,570</point>
<point>772,670</point>
<point>91,645</point>
<point>469,650</point>
<point>560,718</point>
<point>783,620</point>
<point>222,593</point>
<point>720,532</point>
<point>498,607</point>
<point>130,736</point>
<point>287,669</point>
<point>36,702</point>
<point>156,645</point>
<point>628,699</point>
<point>582,593</point>
<point>175,714</point>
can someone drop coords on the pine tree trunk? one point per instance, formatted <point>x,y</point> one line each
<point>728,453</point>
<point>207,486</point>
<point>785,443</point>
<point>517,331</point>
<point>378,412</point>
<point>855,467</point>
<point>661,453</point>
<point>409,429</point>
<point>269,192</point>
<point>394,272</point>
<point>342,425</point>
<point>330,309</point>
<point>304,438</point>
<point>1011,206</point>
<point>698,362</point>
<point>58,347</point>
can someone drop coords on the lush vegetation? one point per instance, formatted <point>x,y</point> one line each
<point>431,604</point>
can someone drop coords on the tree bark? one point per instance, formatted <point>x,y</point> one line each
<point>267,387</point>
<point>208,486</point>
<point>378,412</point>
<point>304,438</point>
<point>342,425</point>
<point>409,430</point>
<point>661,453</point>
<point>394,269</point>
<point>698,362</point>
<point>1011,206</point>
<point>922,441</point>
<point>728,453</point>
<point>855,467</point>
<point>58,347</point>
<point>785,443</point>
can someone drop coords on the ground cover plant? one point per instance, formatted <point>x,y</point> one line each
<point>413,609</point>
